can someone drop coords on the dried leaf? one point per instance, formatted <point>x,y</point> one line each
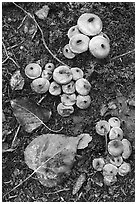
<point>29,114</point>
<point>84,141</point>
<point>43,12</point>
<point>81,179</point>
<point>3,117</point>
<point>17,81</point>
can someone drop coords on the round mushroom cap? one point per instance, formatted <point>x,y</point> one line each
<point>115,148</point>
<point>117,161</point>
<point>124,169</point>
<point>69,88</point>
<point>116,133</point>
<point>67,52</point>
<point>73,31</point>
<point>114,122</point>
<point>54,89</point>
<point>102,127</point>
<point>64,111</point>
<point>99,47</point>
<point>98,163</point>
<point>79,43</point>
<point>83,86</point>
<point>68,100</point>
<point>62,75</point>
<point>47,74</point>
<point>89,24</point>
<point>33,70</point>
<point>110,180</point>
<point>104,35</point>
<point>77,73</point>
<point>83,102</point>
<point>49,66</point>
<point>127,149</point>
<point>110,170</point>
<point>40,85</point>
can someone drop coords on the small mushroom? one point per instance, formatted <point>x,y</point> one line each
<point>117,161</point>
<point>102,127</point>
<point>89,24</point>
<point>54,89</point>
<point>69,88</point>
<point>110,170</point>
<point>116,133</point>
<point>83,86</point>
<point>77,73</point>
<point>115,148</point>
<point>104,36</point>
<point>68,100</point>
<point>99,47</point>
<point>110,180</point>
<point>114,122</point>
<point>49,66</point>
<point>64,111</point>
<point>47,74</point>
<point>67,52</point>
<point>98,164</point>
<point>127,149</point>
<point>124,169</point>
<point>79,43</point>
<point>62,75</point>
<point>83,102</point>
<point>73,31</point>
<point>33,70</point>
<point>40,85</point>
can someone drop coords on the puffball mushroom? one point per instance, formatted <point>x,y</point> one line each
<point>115,148</point>
<point>54,89</point>
<point>83,86</point>
<point>83,102</point>
<point>40,85</point>
<point>99,47</point>
<point>114,122</point>
<point>67,52</point>
<point>98,163</point>
<point>110,170</point>
<point>79,43</point>
<point>117,161</point>
<point>73,31</point>
<point>89,24</point>
<point>116,133</point>
<point>124,169</point>
<point>62,75</point>
<point>102,127</point>
<point>77,73</point>
<point>69,88</point>
<point>49,66</point>
<point>127,149</point>
<point>47,74</point>
<point>33,70</point>
<point>68,100</point>
<point>64,111</point>
<point>110,180</point>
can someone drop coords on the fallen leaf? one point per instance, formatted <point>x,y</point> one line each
<point>84,141</point>
<point>3,117</point>
<point>29,114</point>
<point>80,181</point>
<point>17,81</point>
<point>43,12</point>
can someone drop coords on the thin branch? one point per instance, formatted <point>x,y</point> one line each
<point>15,136</point>
<point>122,55</point>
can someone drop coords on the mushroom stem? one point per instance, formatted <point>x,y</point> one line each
<point>106,142</point>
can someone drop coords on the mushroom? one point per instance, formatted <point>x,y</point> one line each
<point>114,122</point>
<point>62,75</point>
<point>127,149</point>
<point>68,100</point>
<point>49,66</point>
<point>54,89</point>
<point>67,52</point>
<point>117,161</point>
<point>89,24</point>
<point>83,86</point>
<point>115,148</point>
<point>73,31</point>
<point>110,180</point>
<point>47,74</point>
<point>40,85</point>
<point>116,133</point>
<point>124,169</point>
<point>98,164</point>
<point>77,73</point>
<point>110,170</point>
<point>83,102</point>
<point>99,47</point>
<point>33,70</point>
<point>79,43</point>
<point>64,111</point>
<point>102,127</point>
<point>69,88</point>
<point>104,35</point>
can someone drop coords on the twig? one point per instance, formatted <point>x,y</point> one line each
<point>8,150</point>
<point>15,136</point>
<point>42,34</point>
<point>122,55</point>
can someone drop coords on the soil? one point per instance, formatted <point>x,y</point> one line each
<point>107,77</point>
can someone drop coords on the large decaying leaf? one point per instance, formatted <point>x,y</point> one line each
<point>17,81</point>
<point>29,114</point>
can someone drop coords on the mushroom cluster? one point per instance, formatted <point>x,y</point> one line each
<point>87,35</point>
<point>68,83</point>
<point>119,149</point>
